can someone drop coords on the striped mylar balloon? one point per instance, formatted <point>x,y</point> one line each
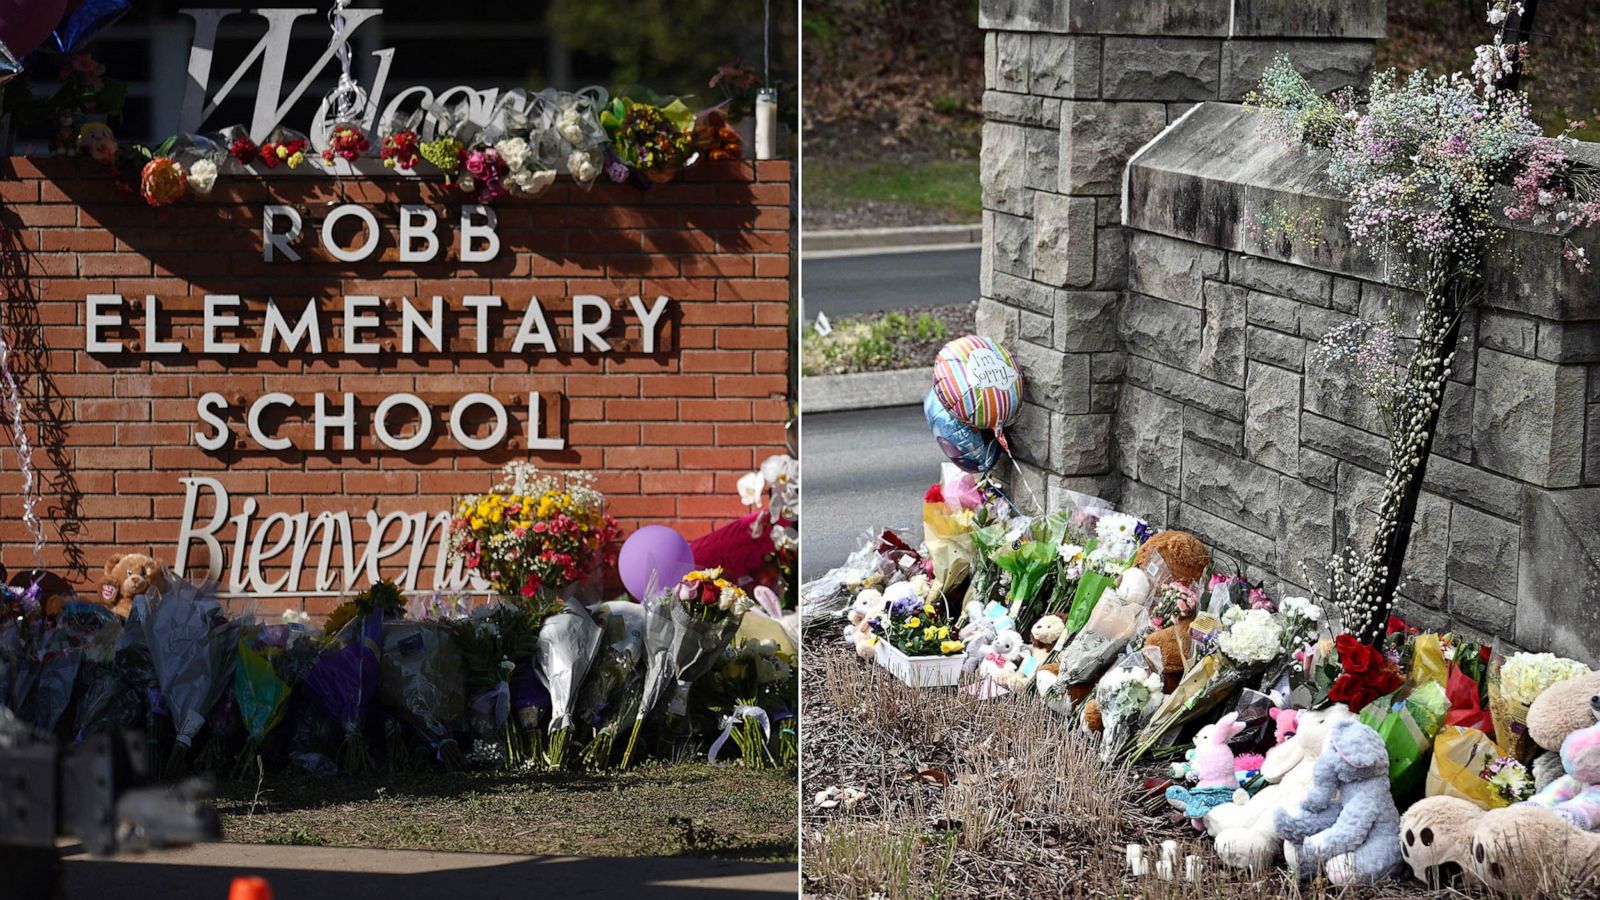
<point>977,380</point>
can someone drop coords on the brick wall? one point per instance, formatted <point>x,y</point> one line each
<point>668,432</point>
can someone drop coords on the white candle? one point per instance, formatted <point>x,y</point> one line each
<point>766,123</point>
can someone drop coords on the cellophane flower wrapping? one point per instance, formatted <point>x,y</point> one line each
<point>191,650</point>
<point>420,678</point>
<point>1208,682</point>
<point>1128,695</point>
<point>262,697</point>
<point>615,672</point>
<point>1109,629</point>
<point>567,645</point>
<point>1408,723</point>
<point>344,680</point>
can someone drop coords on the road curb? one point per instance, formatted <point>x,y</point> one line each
<point>863,390</point>
<point>888,239</point>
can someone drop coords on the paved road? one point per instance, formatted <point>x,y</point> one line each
<point>861,284</point>
<point>865,469</point>
<point>203,872</point>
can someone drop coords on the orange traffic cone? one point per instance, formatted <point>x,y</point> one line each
<point>250,887</point>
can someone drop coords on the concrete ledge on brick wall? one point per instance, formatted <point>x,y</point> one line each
<point>816,244</point>
<point>863,390</point>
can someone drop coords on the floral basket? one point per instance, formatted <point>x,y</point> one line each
<point>920,671</point>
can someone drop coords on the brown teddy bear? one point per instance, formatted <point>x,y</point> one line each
<point>1175,644</point>
<point>127,576</point>
<point>1184,554</point>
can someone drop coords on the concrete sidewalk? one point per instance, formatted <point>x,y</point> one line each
<point>204,871</point>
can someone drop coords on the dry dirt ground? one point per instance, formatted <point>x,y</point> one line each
<point>969,798</point>
<point>658,809</point>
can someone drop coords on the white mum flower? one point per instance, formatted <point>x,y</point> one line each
<point>203,176</point>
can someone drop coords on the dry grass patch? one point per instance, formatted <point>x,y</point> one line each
<point>968,797</point>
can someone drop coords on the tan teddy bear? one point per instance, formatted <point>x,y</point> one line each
<point>127,576</point>
<point>1436,839</point>
<point>1527,851</point>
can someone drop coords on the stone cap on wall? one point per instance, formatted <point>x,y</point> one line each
<point>1190,18</point>
<point>1209,171</point>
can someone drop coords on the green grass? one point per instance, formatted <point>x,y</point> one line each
<point>938,184</point>
<point>869,345</point>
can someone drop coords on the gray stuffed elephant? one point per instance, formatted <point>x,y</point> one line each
<point>1348,824</point>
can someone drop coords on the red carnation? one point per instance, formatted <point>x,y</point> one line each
<point>935,494</point>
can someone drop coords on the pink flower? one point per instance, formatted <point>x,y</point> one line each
<point>477,163</point>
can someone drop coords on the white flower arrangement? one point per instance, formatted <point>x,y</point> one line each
<point>1118,528</point>
<point>1524,676</point>
<point>583,167</point>
<point>1253,637</point>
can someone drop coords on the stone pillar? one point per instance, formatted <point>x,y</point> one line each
<point>1073,89</point>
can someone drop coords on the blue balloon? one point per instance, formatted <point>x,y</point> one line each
<point>87,22</point>
<point>970,449</point>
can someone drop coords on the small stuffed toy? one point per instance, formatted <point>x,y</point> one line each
<point>1561,709</point>
<point>128,575</point>
<point>1000,663</point>
<point>978,634</point>
<point>868,606</point>
<point>1044,634</point>
<point>1347,825</point>
<point>1436,838</point>
<point>1213,766</point>
<point>1527,850</point>
<point>1576,795</point>
<point>1134,586</point>
<point>1246,836</point>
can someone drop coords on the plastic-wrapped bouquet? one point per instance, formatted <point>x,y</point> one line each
<point>1509,778</point>
<point>494,641</point>
<point>1128,695</point>
<point>568,643</point>
<point>1515,682</point>
<point>534,534</point>
<point>1117,537</point>
<point>686,629</point>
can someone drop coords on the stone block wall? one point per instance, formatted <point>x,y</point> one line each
<point>1165,346</point>
<point>1227,428</point>
<point>1073,90</point>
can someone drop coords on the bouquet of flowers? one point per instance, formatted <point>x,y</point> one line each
<point>261,694</point>
<point>1174,602</point>
<point>1248,641</point>
<point>346,142</point>
<point>1509,779</point>
<point>401,150</point>
<point>1352,673</point>
<point>1117,537</point>
<point>343,682</point>
<point>420,680</point>
<point>495,642</point>
<point>948,516</point>
<point>191,648</point>
<point>534,534</point>
<point>651,141</point>
<point>753,688</point>
<point>567,645</point>
<point>525,172</point>
<point>685,631</point>
<point>1128,695</point>
<point>1514,683</point>
<point>1029,557</point>
<point>611,691</point>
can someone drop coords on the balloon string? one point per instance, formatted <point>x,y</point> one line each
<point>30,494</point>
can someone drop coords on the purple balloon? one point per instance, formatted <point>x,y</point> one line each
<point>654,553</point>
<point>24,24</point>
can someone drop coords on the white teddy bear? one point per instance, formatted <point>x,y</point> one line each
<point>1000,663</point>
<point>869,605</point>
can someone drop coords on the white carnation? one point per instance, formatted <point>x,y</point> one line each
<point>1253,638</point>
<point>203,176</point>
<point>515,152</point>
<point>570,125</point>
<point>582,166</point>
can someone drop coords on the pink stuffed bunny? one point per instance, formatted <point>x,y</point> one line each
<point>1213,763</point>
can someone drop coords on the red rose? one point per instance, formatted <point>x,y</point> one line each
<point>935,494</point>
<point>1354,656</point>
